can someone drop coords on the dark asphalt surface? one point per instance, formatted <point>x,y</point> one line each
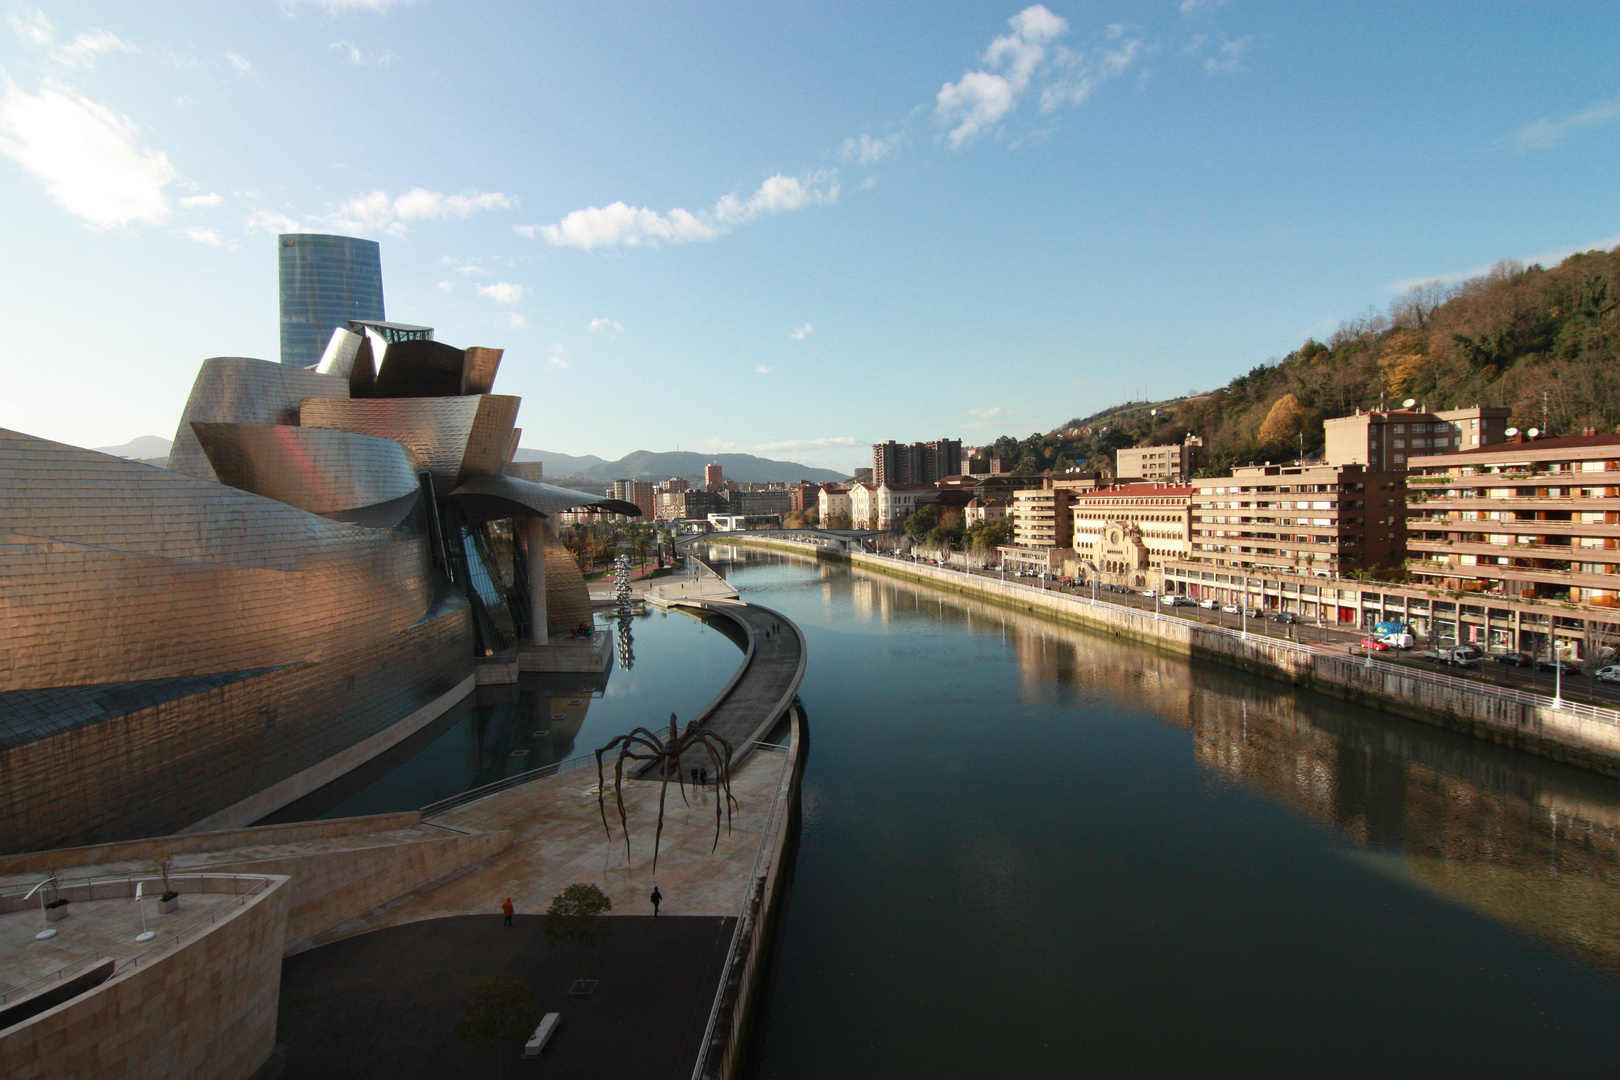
<point>386,1004</point>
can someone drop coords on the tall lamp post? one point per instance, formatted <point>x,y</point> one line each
<point>1558,673</point>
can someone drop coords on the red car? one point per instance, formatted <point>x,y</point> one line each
<point>1373,643</point>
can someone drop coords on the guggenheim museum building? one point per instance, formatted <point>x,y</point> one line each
<point>329,554</point>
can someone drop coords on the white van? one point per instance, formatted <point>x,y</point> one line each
<point>1398,641</point>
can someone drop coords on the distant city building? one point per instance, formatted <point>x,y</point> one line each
<point>690,505</point>
<point>714,478</point>
<point>639,492</point>
<point>756,503</point>
<point>1127,533</point>
<point>979,511</point>
<point>674,483</point>
<point>326,281</point>
<point>893,503</point>
<point>1384,441</point>
<point>863,506</point>
<point>1173,464</point>
<point>970,465</point>
<point>832,502</point>
<point>915,463</point>
<point>862,476</point>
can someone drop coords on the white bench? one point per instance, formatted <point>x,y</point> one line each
<point>542,1035</point>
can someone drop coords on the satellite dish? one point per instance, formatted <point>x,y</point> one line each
<point>1409,402</point>
<point>1533,432</point>
<point>1510,432</point>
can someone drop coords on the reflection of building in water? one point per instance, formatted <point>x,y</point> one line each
<point>1529,842</point>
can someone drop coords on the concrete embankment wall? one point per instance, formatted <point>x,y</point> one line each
<point>1502,717</point>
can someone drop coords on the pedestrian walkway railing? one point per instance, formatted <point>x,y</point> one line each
<point>61,974</point>
<point>539,773</point>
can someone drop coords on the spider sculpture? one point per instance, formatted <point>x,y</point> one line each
<point>642,745</point>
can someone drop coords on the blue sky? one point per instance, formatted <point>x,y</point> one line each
<point>787,230</point>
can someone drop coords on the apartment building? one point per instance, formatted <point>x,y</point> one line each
<point>1172,464</point>
<point>1043,525</point>
<point>833,500</point>
<point>863,506</point>
<point>1523,518</point>
<point>640,492</point>
<point>1387,440</point>
<point>915,463</point>
<point>1125,535</point>
<point>977,511</point>
<point>893,503</point>
<point>689,505</point>
<point>1319,520</point>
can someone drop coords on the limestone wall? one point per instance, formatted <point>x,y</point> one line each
<point>204,1009</point>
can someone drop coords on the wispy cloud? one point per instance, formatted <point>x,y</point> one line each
<point>516,321</point>
<point>269,221</point>
<point>82,52</point>
<point>1549,134</point>
<point>88,157</point>
<point>1228,56</point>
<point>504,292</point>
<point>202,202</point>
<point>557,359</point>
<point>1550,257</point>
<point>802,332</point>
<point>990,413</point>
<point>378,212</point>
<point>359,57</point>
<point>979,101</point>
<point>1191,9</point>
<point>799,446</point>
<point>335,8</point>
<point>211,237</point>
<point>447,286</point>
<point>867,150</point>
<point>239,63</point>
<point>762,370</point>
<point>618,223</point>
<point>604,328</point>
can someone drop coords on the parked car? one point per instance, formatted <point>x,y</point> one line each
<point>1231,609</point>
<point>1517,659</point>
<point>1209,603</point>
<point>1256,613</point>
<point>1608,674</point>
<point>1177,601</point>
<point>1150,593</point>
<point>1400,640</point>
<point>1373,644</point>
<point>1569,667</point>
<point>1284,617</point>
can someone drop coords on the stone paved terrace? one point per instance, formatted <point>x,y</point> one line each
<point>558,840</point>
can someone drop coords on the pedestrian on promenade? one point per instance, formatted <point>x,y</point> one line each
<point>507,909</point>
<point>657,898</point>
<point>703,778</point>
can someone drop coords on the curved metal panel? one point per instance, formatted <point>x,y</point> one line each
<point>479,368</point>
<point>568,599</point>
<point>451,437</point>
<point>338,359</point>
<point>314,469</point>
<point>241,390</point>
<point>487,498</point>
<point>363,374</point>
<point>417,369</point>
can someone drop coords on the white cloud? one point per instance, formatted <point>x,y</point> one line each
<point>1550,257</point>
<point>201,202</point>
<point>472,271</point>
<point>334,8</point>
<point>268,221</point>
<point>84,50</point>
<point>618,223</point>
<point>357,56</point>
<point>201,235</point>
<point>601,327</point>
<point>837,442</point>
<point>34,29</point>
<point>1194,8</point>
<point>88,156</point>
<point>762,370</point>
<point>981,99</point>
<point>990,413</point>
<point>516,321</point>
<point>378,212</point>
<point>447,286</point>
<point>867,150</point>
<point>802,332</point>
<point>557,359</point>
<point>1229,56</point>
<point>504,292</point>
<point>240,63</point>
<point>1549,134</point>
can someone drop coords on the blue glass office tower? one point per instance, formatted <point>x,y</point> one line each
<point>325,282</point>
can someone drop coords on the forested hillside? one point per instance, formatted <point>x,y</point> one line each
<point>1542,342</point>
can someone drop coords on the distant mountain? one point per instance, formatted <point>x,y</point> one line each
<point>646,465</point>
<point>144,447</point>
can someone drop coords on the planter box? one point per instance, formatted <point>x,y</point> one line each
<point>169,906</point>
<point>56,913</point>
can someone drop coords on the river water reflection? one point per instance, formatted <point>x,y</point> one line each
<point>1028,850</point>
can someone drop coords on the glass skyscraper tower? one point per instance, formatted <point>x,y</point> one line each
<point>325,282</point>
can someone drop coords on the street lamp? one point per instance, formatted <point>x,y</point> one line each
<point>1558,673</point>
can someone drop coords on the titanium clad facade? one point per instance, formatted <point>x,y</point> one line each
<point>325,282</point>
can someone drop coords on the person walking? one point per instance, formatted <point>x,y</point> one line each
<point>507,910</point>
<point>657,898</point>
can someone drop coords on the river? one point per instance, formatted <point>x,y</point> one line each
<point>1031,851</point>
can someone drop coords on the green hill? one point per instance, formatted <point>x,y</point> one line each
<point>1539,341</point>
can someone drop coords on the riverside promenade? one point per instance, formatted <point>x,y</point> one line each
<point>1574,733</point>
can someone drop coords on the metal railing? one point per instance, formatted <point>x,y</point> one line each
<point>33,986</point>
<point>537,773</point>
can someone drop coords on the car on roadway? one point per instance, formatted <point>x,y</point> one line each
<point>1374,644</point>
<point>1231,609</point>
<point>1209,603</point>
<point>1517,659</point>
<point>1607,674</point>
<point>1176,600</point>
<point>1150,593</point>
<point>1568,667</point>
<point>1255,613</point>
<point>1284,617</point>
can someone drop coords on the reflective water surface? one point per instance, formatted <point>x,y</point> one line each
<point>1028,850</point>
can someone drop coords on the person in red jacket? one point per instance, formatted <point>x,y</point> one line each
<point>507,909</point>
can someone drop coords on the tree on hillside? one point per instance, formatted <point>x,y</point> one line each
<point>1284,423</point>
